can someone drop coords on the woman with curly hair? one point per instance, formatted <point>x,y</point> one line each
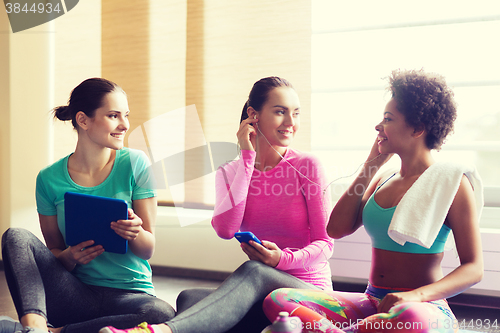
<point>409,215</point>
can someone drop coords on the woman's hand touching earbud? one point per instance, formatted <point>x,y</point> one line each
<point>247,134</point>
<point>375,158</point>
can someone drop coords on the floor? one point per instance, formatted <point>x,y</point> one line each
<point>167,288</point>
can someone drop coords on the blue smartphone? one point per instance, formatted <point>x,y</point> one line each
<point>246,236</point>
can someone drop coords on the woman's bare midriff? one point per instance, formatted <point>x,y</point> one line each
<point>404,270</point>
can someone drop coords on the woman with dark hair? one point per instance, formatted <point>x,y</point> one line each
<point>409,215</point>
<point>275,192</point>
<point>82,288</point>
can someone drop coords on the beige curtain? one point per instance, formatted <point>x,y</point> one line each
<point>170,54</point>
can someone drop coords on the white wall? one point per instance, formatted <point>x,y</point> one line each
<point>26,127</point>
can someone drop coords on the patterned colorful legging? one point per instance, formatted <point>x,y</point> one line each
<point>334,311</point>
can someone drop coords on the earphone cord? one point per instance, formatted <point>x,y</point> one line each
<point>300,173</point>
<point>324,190</point>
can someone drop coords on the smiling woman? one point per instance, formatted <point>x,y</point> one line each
<point>275,192</point>
<point>278,119</point>
<point>109,288</point>
<point>408,220</point>
<point>108,120</point>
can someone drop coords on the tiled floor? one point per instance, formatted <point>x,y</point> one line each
<point>168,288</point>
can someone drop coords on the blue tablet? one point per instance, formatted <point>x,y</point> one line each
<point>88,217</point>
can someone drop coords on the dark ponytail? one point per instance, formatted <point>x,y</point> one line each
<point>86,97</point>
<point>260,91</point>
<point>62,113</point>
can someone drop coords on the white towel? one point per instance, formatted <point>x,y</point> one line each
<point>422,211</point>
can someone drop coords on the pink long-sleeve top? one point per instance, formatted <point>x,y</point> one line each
<point>282,206</point>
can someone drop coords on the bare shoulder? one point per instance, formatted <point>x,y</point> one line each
<point>464,195</point>
<point>462,219</point>
<point>463,208</point>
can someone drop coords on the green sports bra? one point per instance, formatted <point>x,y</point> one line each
<point>377,220</point>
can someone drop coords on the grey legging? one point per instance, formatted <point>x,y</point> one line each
<point>40,284</point>
<point>242,291</point>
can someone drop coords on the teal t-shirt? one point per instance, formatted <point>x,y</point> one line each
<point>130,179</point>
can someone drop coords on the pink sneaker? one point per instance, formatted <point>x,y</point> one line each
<point>142,328</point>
